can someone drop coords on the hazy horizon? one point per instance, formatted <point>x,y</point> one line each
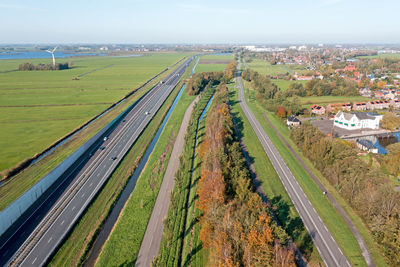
<point>200,22</point>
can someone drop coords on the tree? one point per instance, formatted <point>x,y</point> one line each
<point>390,121</point>
<point>281,112</point>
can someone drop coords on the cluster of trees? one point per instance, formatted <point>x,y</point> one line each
<point>236,225</point>
<point>363,184</point>
<point>199,81</point>
<point>230,71</point>
<point>316,87</point>
<point>40,66</point>
<point>390,121</point>
<point>270,95</point>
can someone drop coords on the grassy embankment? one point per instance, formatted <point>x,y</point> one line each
<point>173,242</point>
<point>328,213</point>
<point>75,247</point>
<point>28,177</point>
<point>39,107</point>
<point>274,190</point>
<point>125,240</point>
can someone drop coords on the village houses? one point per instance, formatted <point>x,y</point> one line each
<point>357,120</point>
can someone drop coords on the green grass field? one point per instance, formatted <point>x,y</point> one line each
<point>212,66</point>
<point>16,186</point>
<point>284,84</point>
<point>265,68</point>
<point>50,104</point>
<point>395,56</point>
<point>325,100</point>
<point>328,213</point>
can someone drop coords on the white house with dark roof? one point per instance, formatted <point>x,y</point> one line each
<point>357,120</point>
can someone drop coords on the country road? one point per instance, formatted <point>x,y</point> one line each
<point>89,175</point>
<point>327,247</point>
<point>152,238</point>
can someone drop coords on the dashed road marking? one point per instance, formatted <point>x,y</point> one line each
<point>62,222</point>
<point>51,238</point>
<point>33,262</point>
<point>73,207</point>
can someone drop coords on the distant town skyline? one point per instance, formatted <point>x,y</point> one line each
<point>250,22</point>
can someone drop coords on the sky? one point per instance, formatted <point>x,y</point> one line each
<point>191,21</point>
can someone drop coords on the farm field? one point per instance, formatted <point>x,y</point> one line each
<point>396,56</point>
<point>213,63</point>
<point>265,68</point>
<point>39,107</point>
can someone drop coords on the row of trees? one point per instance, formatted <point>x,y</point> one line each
<point>199,81</point>
<point>236,226</point>
<point>40,66</point>
<point>363,184</point>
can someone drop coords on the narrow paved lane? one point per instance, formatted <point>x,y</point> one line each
<point>327,247</point>
<point>152,238</point>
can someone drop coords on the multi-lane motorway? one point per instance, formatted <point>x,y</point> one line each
<point>89,175</point>
<point>327,247</point>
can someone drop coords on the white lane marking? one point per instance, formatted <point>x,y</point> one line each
<point>83,195</point>
<point>33,262</point>
<point>51,238</point>
<point>62,222</point>
<point>90,184</point>
<point>73,207</point>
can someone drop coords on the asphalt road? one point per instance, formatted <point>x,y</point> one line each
<point>89,175</point>
<point>152,238</point>
<point>327,247</point>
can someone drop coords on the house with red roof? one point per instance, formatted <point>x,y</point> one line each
<point>318,110</point>
<point>395,103</point>
<point>360,106</point>
<point>339,106</point>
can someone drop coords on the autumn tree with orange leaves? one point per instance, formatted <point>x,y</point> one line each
<point>236,225</point>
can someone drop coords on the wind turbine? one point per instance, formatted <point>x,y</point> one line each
<point>52,53</point>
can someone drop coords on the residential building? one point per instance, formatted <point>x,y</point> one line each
<point>318,110</point>
<point>395,103</point>
<point>357,120</point>
<point>366,145</point>
<point>336,107</point>
<point>293,121</point>
<point>379,104</point>
<point>360,106</point>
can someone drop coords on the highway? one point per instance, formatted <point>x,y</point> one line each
<point>327,247</point>
<point>88,178</point>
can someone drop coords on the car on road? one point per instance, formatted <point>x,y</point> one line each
<point>102,147</point>
<point>123,120</point>
<point>114,158</point>
<point>147,113</point>
<point>105,138</point>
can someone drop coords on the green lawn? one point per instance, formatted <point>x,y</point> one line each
<point>60,103</point>
<point>265,68</point>
<point>328,213</point>
<point>125,240</point>
<point>284,84</point>
<point>325,100</point>
<point>395,56</point>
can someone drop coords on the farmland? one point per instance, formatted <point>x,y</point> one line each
<point>213,63</point>
<point>39,107</point>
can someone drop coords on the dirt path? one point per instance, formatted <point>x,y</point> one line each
<point>152,238</point>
